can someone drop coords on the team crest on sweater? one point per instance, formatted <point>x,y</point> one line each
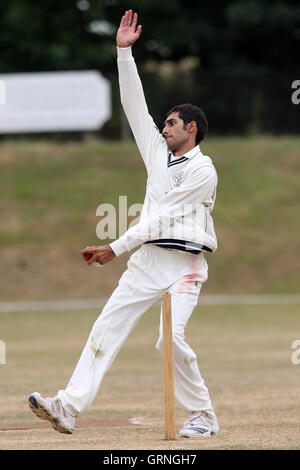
<point>177,179</point>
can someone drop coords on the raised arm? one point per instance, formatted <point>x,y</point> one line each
<point>146,134</point>
<point>128,33</point>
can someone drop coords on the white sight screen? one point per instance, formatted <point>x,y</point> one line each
<point>54,101</point>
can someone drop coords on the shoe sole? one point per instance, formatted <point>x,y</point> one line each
<point>42,412</point>
<point>197,435</point>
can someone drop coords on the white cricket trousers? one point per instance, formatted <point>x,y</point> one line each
<point>150,271</point>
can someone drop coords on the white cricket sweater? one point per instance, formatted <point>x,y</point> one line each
<point>180,191</point>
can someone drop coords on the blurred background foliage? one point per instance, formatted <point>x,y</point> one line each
<point>236,59</point>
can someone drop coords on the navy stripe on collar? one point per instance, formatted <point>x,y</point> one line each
<point>177,161</point>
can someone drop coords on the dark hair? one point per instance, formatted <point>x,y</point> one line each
<point>188,112</point>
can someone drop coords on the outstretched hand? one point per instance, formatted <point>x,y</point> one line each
<point>128,33</point>
<point>97,254</point>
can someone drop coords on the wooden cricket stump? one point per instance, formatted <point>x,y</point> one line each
<point>168,360</point>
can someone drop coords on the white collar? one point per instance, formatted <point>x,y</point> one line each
<point>190,154</point>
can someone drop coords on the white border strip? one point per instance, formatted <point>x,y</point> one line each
<point>51,305</point>
<point>250,299</point>
<point>87,304</point>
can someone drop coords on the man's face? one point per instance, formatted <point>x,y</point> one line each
<point>174,132</point>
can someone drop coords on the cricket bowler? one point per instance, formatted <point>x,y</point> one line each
<point>174,233</point>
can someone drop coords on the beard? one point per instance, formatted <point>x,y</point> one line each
<point>174,144</point>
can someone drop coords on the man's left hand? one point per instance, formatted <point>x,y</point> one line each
<point>99,254</point>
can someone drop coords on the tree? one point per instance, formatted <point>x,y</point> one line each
<point>80,34</point>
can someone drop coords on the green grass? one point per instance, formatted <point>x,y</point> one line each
<point>50,192</point>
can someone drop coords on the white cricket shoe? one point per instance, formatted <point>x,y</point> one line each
<point>200,424</point>
<point>51,409</point>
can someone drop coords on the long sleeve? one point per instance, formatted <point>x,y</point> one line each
<point>176,204</point>
<point>146,134</point>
